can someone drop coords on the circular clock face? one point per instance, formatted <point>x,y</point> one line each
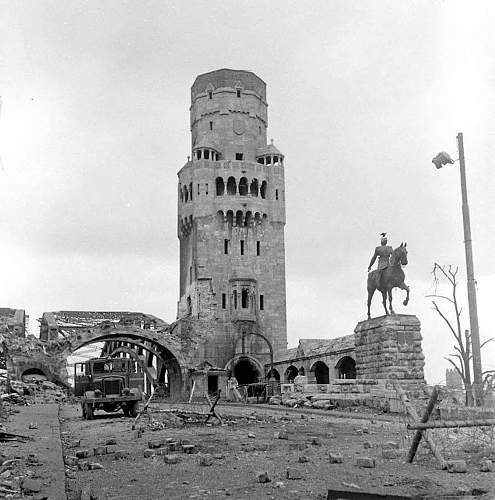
<point>239,126</point>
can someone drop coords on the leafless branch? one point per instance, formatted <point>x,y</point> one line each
<point>444,318</point>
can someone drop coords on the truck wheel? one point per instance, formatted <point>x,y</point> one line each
<point>133,409</point>
<point>88,411</point>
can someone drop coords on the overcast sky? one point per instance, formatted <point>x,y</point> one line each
<point>362,94</point>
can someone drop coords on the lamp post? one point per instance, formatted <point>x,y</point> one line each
<point>440,160</point>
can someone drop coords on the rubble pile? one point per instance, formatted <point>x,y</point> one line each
<point>37,391</point>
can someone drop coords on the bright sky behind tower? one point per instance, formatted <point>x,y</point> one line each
<point>362,94</point>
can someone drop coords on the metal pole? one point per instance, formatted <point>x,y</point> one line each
<point>471,282</point>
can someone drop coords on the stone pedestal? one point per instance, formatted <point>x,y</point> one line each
<point>389,347</point>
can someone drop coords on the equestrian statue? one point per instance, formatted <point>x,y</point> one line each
<point>389,273</point>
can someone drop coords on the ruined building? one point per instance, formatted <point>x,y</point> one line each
<point>231,218</point>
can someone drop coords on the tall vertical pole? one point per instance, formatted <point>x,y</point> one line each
<point>471,282</point>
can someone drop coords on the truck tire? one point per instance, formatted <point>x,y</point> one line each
<point>88,411</point>
<point>133,409</point>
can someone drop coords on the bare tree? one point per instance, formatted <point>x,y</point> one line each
<point>461,360</point>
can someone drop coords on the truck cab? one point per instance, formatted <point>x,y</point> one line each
<point>109,384</point>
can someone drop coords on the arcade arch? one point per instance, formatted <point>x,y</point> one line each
<point>346,368</point>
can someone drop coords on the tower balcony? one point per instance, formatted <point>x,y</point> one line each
<point>243,315</point>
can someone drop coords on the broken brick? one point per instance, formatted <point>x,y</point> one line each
<point>335,458</point>
<point>83,453</point>
<point>293,473</point>
<point>366,462</point>
<point>457,466</point>
<point>171,459</point>
<point>263,477</point>
<point>205,460</point>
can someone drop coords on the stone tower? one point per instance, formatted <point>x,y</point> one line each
<point>231,218</point>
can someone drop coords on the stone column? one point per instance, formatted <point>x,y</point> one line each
<point>389,347</point>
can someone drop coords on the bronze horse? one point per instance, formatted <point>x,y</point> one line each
<point>392,277</point>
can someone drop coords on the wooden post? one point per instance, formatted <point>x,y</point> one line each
<point>426,435</point>
<point>192,391</point>
<point>426,415</point>
<point>145,407</point>
<point>452,424</point>
<point>212,412</point>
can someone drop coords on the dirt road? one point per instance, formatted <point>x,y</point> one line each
<point>298,467</point>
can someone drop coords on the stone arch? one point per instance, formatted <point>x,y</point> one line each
<point>321,372</point>
<point>249,369</point>
<point>159,342</point>
<point>254,187</point>
<point>238,218</point>
<point>346,368</point>
<point>231,186</point>
<point>302,371</point>
<point>263,189</point>
<point>220,186</point>
<point>291,373</point>
<point>273,373</point>
<point>36,370</point>
<point>243,186</point>
<point>248,219</point>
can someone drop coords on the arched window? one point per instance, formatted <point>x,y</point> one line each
<point>206,154</point>
<point>243,186</point>
<point>230,217</point>
<point>244,299</point>
<point>248,219</point>
<point>291,373</point>
<point>198,154</point>
<point>189,306</point>
<point>220,186</point>
<point>257,217</point>
<point>254,187</point>
<point>190,191</point>
<point>263,189</point>
<point>261,160</point>
<point>238,218</point>
<point>235,299</point>
<point>321,372</point>
<point>231,186</point>
<point>186,194</point>
<point>346,367</point>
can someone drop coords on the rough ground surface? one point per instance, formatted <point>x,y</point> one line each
<point>45,467</point>
<point>238,455</point>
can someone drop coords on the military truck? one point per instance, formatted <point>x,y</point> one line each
<point>109,384</point>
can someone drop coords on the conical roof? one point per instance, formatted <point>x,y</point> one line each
<point>206,143</point>
<point>269,149</point>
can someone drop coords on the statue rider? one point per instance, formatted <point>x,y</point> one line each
<point>383,253</point>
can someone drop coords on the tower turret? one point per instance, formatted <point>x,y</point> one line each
<point>231,218</point>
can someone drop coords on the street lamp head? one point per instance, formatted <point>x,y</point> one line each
<point>442,159</point>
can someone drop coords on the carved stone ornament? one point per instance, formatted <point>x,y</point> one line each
<point>239,126</point>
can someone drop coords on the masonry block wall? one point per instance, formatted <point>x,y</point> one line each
<point>389,347</point>
<point>231,218</point>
